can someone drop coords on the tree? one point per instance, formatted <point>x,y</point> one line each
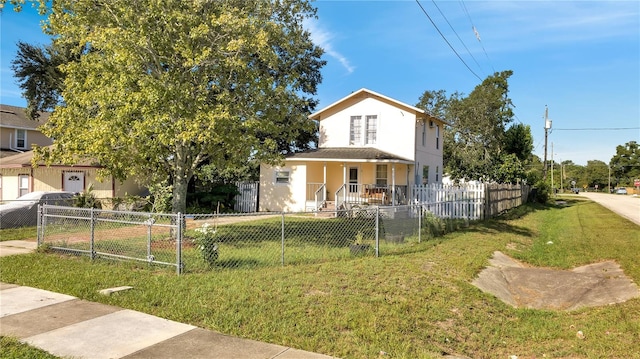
<point>164,87</point>
<point>597,174</point>
<point>625,164</point>
<point>477,144</point>
<point>519,141</point>
<point>38,72</point>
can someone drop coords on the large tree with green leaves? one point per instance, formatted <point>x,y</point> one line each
<point>625,164</point>
<point>478,142</point>
<point>163,87</point>
<point>38,71</point>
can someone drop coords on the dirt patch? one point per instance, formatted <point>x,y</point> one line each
<point>540,288</point>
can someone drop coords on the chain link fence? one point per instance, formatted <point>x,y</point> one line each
<point>205,242</point>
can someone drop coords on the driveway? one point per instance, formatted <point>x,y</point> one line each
<point>626,206</point>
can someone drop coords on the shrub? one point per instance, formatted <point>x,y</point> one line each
<point>206,239</point>
<point>87,199</point>
<point>540,192</point>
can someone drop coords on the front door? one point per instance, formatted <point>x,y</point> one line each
<point>73,182</point>
<point>353,179</point>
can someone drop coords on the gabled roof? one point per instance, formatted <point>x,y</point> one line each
<point>366,93</point>
<point>16,117</point>
<point>351,154</point>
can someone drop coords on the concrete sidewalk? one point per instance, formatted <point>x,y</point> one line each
<point>70,327</point>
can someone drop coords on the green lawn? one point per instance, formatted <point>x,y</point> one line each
<point>418,303</point>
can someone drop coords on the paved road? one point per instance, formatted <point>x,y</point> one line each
<point>626,206</point>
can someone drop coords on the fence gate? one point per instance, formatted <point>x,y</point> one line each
<point>247,200</point>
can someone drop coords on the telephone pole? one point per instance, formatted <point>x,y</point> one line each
<point>547,126</point>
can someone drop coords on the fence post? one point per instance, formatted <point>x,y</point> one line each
<point>282,235</point>
<point>149,224</point>
<point>419,223</point>
<point>39,225</point>
<point>92,236</point>
<point>377,231</point>
<point>179,221</point>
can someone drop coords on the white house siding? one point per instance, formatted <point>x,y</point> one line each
<point>10,182</point>
<point>289,197</point>
<point>428,154</point>
<point>394,126</point>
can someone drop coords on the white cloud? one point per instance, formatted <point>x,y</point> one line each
<point>323,38</point>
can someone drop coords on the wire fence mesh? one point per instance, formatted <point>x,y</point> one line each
<point>205,242</point>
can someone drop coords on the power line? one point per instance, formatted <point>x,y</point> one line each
<point>458,36</point>
<point>597,129</point>
<point>477,34</point>
<point>447,41</point>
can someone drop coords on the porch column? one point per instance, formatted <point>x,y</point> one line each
<point>393,184</point>
<point>344,180</point>
<point>324,180</point>
<point>324,173</point>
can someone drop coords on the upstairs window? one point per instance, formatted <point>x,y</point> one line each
<point>437,137</point>
<point>424,133</point>
<point>372,129</point>
<point>355,130</point>
<point>21,139</point>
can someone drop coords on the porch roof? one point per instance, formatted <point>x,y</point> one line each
<point>22,160</point>
<point>350,154</point>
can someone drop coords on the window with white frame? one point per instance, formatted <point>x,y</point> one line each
<point>355,130</point>
<point>381,175</point>
<point>23,185</point>
<point>283,177</point>
<point>21,138</point>
<point>437,175</point>
<point>371,123</point>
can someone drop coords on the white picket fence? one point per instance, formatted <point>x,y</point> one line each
<point>247,199</point>
<point>469,201</point>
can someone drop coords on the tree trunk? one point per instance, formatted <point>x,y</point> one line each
<point>182,176</point>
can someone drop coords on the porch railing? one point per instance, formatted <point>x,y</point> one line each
<point>358,194</point>
<point>321,196</point>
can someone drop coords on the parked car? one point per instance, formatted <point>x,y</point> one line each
<point>621,191</point>
<point>23,212</point>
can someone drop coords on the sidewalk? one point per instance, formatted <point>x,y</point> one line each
<point>70,327</point>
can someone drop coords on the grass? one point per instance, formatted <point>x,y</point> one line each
<point>415,304</point>
<point>11,348</point>
<point>22,233</point>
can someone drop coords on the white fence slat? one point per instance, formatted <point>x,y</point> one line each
<point>469,201</point>
<point>247,200</point>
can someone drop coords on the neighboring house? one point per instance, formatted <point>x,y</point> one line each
<point>18,177</point>
<point>18,133</point>
<point>372,149</point>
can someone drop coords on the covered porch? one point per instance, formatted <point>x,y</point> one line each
<point>341,185</point>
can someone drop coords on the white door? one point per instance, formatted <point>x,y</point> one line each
<point>73,181</point>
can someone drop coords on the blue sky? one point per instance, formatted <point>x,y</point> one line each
<point>579,58</point>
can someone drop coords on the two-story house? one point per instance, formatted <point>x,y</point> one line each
<point>18,135</point>
<point>372,149</point>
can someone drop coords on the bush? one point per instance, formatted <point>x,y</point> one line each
<point>540,192</point>
<point>87,199</point>
<point>207,202</point>
<point>433,226</point>
<point>206,239</point>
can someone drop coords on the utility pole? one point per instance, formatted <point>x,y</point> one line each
<point>547,126</point>
<point>552,165</point>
